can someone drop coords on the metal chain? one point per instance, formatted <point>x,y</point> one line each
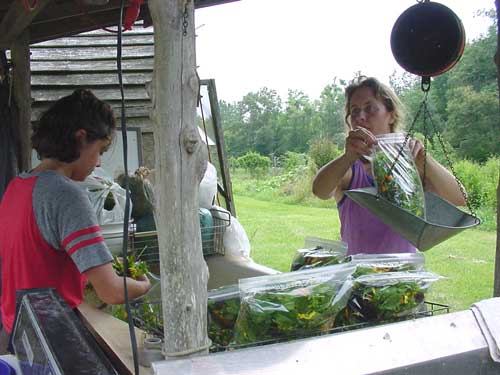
<point>425,84</point>
<point>185,17</point>
<point>408,136</point>
<point>450,164</point>
<point>427,116</point>
<point>426,139</point>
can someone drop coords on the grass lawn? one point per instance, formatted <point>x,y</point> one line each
<point>277,230</point>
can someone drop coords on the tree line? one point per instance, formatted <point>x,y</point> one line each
<point>463,107</point>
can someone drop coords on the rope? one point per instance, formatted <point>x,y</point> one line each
<point>133,339</point>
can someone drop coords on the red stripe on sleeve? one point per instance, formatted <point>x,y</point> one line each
<point>81,244</point>
<point>80,233</point>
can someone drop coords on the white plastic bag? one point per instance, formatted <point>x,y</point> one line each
<point>99,186</point>
<point>208,187</point>
<point>235,239</point>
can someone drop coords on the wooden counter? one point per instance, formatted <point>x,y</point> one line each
<point>113,337</point>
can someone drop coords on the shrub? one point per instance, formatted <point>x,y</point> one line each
<point>292,160</point>
<point>233,162</point>
<point>489,175</point>
<point>480,181</point>
<point>322,151</point>
<point>254,163</point>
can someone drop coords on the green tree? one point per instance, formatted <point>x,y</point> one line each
<point>476,68</point>
<point>296,125</point>
<point>232,124</point>
<point>261,112</point>
<point>329,123</point>
<point>472,127</point>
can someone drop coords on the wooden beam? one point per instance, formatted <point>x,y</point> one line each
<point>16,20</point>
<point>21,81</point>
<point>73,24</point>
<point>180,165</point>
<point>221,149</point>
<point>71,17</point>
<point>496,280</point>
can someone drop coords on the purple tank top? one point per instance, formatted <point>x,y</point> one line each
<point>362,231</point>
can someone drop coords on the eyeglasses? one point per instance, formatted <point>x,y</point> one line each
<point>369,109</point>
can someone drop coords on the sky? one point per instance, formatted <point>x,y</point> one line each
<point>303,44</point>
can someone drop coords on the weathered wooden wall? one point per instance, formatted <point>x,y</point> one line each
<point>88,60</point>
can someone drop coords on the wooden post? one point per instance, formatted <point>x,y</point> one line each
<point>496,282</point>
<point>21,82</point>
<point>180,165</point>
<point>221,149</point>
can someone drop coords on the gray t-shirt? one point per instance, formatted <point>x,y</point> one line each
<point>66,219</point>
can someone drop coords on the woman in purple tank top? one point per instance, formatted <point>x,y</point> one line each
<point>373,109</point>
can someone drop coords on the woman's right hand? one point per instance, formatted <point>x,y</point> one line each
<point>144,283</point>
<point>359,142</point>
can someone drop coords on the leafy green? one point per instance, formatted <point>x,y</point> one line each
<point>367,269</point>
<point>287,313</point>
<point>222,315</point>
<point>136,268</point>
<point>369,303</point>
<point>404,192</point>
<point>316,257</point>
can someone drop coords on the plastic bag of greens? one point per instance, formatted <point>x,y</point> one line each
<point>397,177</point>
<point>223,307</point>
<point>393,262</point>
<point>290,305</point>
<point>382,297</point>
<point>106,197</point>
<point>318,257</point>
<point>312,241</point>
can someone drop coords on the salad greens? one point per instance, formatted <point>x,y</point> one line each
<point>316,257</point>
<point>287,313</point>
<point>396,175</point>
<point>222,315</point>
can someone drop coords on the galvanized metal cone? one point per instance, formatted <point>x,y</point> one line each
<point>443,220</point>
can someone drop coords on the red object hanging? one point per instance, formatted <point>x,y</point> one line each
<point>30,7</point>
<point>132,14</point>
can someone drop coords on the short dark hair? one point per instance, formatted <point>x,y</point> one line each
<point>54,134</point>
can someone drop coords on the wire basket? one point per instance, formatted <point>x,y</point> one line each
<point>149,317</point>
<point>145,244</point>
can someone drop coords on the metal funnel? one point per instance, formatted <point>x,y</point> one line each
<point>442,222</point>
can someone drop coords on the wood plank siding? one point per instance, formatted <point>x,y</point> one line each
<point>88,60</point>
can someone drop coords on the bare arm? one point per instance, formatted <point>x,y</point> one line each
<point>333,178</point>
<point>109,286</point>
<point>437,178</point>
